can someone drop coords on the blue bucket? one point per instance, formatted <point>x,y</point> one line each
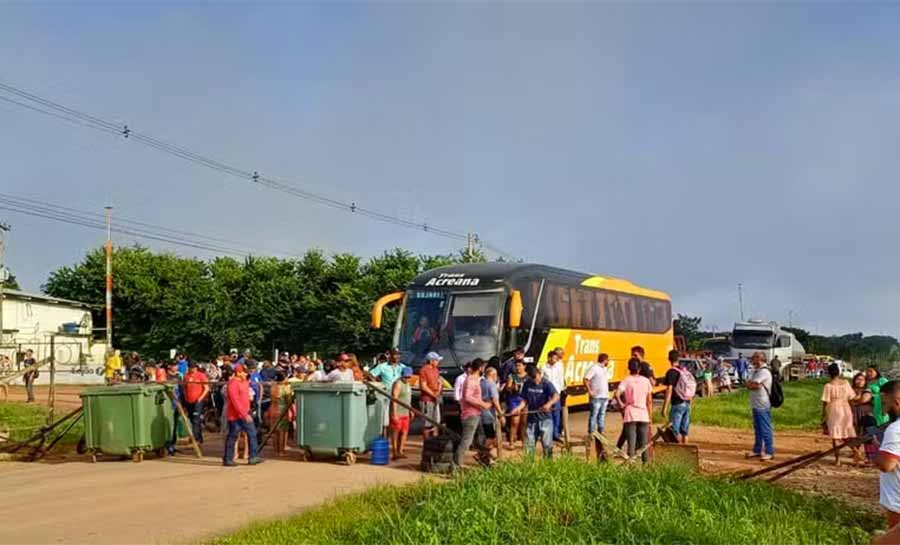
<point>381,451</point>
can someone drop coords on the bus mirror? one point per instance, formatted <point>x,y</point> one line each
<point>515,309</point>
<point>378,309</point>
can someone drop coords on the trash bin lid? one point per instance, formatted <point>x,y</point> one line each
<point>124,389</point>
<point>330,387</point>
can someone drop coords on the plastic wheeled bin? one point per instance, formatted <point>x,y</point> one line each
<point>339,419</point>
<point>127,420</point>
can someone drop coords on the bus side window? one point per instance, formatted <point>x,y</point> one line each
<point>599,310</point>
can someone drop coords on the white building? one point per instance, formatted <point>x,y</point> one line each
<point>31,320</point>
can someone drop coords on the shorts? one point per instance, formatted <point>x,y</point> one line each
<point>512,402</point>
<point>432,410</point>
<point>400,423</point>
<point>707,376</point>
<point>490,431</point>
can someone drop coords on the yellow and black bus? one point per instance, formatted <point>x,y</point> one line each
<point>488,309</point>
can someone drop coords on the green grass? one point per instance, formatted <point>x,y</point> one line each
<point>571,501</point>
<point>23,420</point>
<point>802,409</point>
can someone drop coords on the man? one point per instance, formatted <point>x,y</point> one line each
<point>423,336</point>
<point>400,416</point>
<point>341,371</point>
<point>430,392</point>
<point>239,418</point>
<point>888,459</point>
<point>775,366</point>
<point>538,398</point>
<point>760,384</point>
<point>596,380</point>
<point>492,418</point>
<point>646,369</point>
<point>30,376</point>
<point>387,373</point>
<point>741,367</point>
<point>182,364</point>
<point>196,392</point>
<point>471,406</point>
<point>267,374</point>
<point>678,408</point>
<point>509,366</point>
<point>553,373</point>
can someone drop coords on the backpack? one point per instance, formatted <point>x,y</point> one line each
<point>686,387</point>
<point>776,394</point>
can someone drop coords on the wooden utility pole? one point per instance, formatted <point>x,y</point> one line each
<point>109,281</point>
<point>4,228</point>
<point>52,401</point>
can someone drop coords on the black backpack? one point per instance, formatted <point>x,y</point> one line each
<point>776,394</point>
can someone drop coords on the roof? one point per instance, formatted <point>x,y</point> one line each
<point>488,274</point>
<point>25,296</point>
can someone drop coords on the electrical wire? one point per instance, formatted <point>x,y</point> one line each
<point>57,110</point>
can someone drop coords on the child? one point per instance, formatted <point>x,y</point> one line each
<point>400,415</point>
<point>281,400</point>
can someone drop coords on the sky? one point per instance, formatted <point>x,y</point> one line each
<point>688,147</point>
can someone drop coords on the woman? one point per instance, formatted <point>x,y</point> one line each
<point>355,367</point>
<point>513,389</point>
<point>281,401</point>
<point>837,416</point>
<point>874,382</point>
<point>862,416</point>
<point>635,396</point>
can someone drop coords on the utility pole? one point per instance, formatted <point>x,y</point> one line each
<point>741,299</point>
<point>108,279</point>
<point>4,228</point>
<point>791,318</point>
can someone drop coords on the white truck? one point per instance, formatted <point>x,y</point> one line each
<point>768,338</point>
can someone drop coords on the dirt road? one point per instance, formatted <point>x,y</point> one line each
<point>174,500</point>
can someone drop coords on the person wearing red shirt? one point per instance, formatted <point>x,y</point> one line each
<point>196,392</point>
<point>430,386</point>
<point>239,417</point>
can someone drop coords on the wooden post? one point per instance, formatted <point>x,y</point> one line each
<point>588,448</point>
<point>52,379</point>
<point>565,425</point>
<point>186,421</point>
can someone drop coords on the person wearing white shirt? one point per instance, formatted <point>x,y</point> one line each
<point>459,384</point>
<point>888,460</point>
<point>596,380</point>
<point>553,372</point>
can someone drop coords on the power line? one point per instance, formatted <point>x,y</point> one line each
<point>129,227</point>
<point>55,109</point>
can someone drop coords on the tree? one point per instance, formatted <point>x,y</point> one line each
<point>689,328</point>
<point>10,283</point>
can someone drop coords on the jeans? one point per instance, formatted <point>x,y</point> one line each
<point>636,435</point>
<point>680,417</point>
<point>762,431</point>
<point>597,419</point>
<point>557,420</point>
<point>195,413</point>
<point>29,388</point>
<point>471,431</point>
<point>234,428</point>
<point>539,428</point>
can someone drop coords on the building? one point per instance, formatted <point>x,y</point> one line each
<point>38,322</point>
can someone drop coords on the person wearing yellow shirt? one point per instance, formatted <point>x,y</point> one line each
<point>113,367</point>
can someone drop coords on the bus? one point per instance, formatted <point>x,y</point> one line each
<point>483,310</point>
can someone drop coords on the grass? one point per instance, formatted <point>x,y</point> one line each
<point>23,420</point>
<point>802,409</point>
<point>571,501</point>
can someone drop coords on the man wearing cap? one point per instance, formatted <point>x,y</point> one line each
<point>430,387</point>
<point>196,390</point>
<point>399,414</point>
<point>341,371</point>
<point>239,418</point>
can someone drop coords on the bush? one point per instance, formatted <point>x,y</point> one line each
<point>802,409</point>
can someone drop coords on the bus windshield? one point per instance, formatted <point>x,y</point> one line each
<point>460,326</point>
<point>752,338</point>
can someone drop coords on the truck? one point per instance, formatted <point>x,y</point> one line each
<point>770,339</point>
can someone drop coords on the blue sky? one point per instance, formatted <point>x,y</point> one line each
<point>685,147</point>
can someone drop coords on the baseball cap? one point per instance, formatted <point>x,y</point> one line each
<point>432,356</point>
<point>407,372</point>
<point>395,351</point>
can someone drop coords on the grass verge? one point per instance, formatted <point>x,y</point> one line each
<point>571,501</point>
<point>802,409</point>
<point>23,420</point>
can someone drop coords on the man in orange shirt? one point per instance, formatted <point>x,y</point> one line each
<point>430,386</point>
<point>196,392</point>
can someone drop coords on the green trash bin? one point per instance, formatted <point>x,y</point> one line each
<point>127,420</point>
<point>339,419</point>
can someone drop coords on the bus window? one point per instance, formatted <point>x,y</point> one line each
<point>582,317</point>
